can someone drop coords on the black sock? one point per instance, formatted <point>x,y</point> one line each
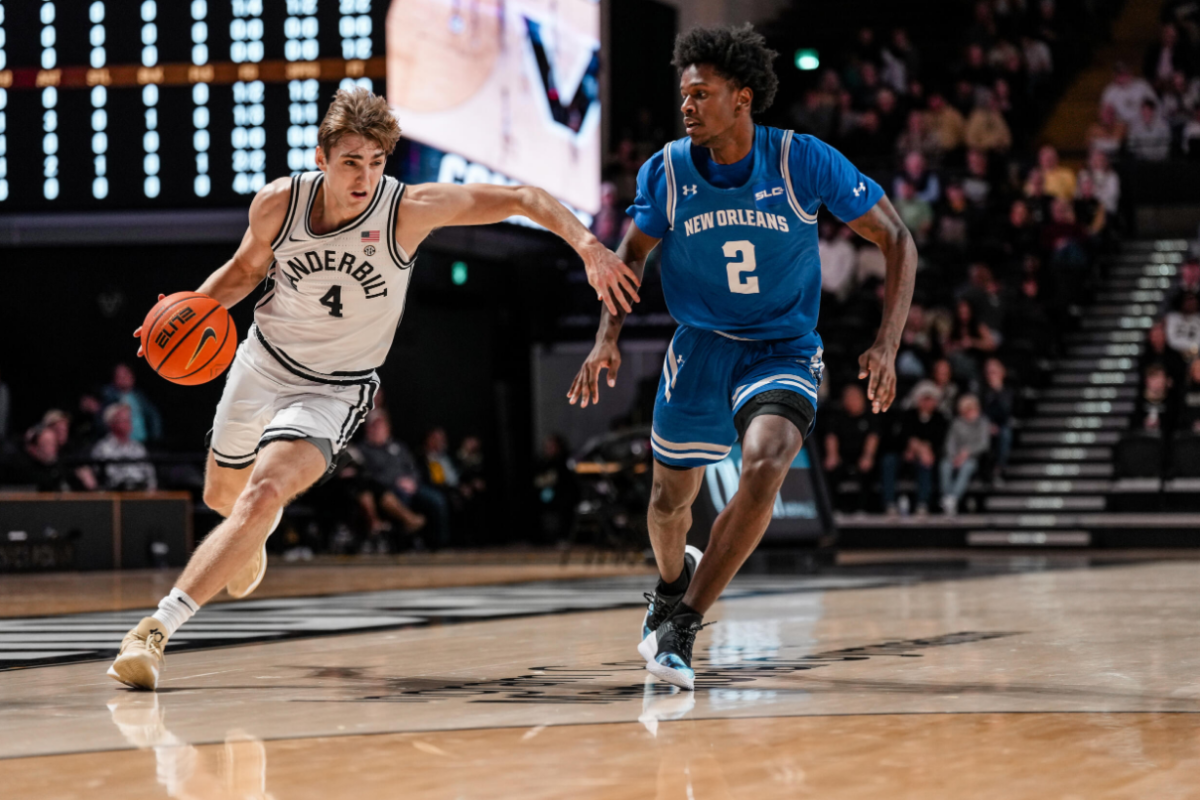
<point>677,586</point>
<point>685,614</point>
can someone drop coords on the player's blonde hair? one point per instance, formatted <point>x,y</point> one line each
<point>357,111</point>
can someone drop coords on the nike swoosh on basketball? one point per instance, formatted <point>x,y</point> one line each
<point>209,333</point>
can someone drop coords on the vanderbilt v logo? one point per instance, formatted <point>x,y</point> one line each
<point>573,113</point>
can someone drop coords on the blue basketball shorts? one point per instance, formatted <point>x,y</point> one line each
<point>708,377</point>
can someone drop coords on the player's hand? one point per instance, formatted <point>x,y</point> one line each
<point>137,334</point>
<point>610,277</point>
<point>585,388</point>
<point>879,364</point>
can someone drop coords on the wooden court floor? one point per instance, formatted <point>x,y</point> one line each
<point>1077,683</point>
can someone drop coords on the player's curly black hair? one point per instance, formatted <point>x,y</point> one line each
<point>739,53</point>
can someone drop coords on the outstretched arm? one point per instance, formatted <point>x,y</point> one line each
<point>430,206</point>
<point>632,251</point>
<point>238,276</point>
<point>883,226</point>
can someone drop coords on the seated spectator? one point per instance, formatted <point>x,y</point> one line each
<point>982,292</point>
<point>924,180</point>
<point>986,128</point>
<point>838,259</point>
<point>969,342</point>
<point>998,400</point>
<point>1149,135</point>
<point>1039,63</point>
<point>1189,400</point>
<point>1018,236</point>
<point>1107,133</point>
<point>610,221</point>
<point>1089,211</point>
<point>851,441</point>
<point>1183,327</point>
<point>901,61</point>
<point>439,466</point>
<point>915,356</point>
<point>968,439</point>
<point>917,138</point>
<point>814,116</point>
<point>956,221</point>
<point>392,487</point>
<point>1178,104</point>
<point>556,489</point>
<point>1106,180</point>
<point>915,212</point>
<point>1166,57</point>
<point>1037,199</point>
<point>36,465</point>
<point>942,375</point>
<point>146,421</point>
<point>975,69</point>
<point>946,123</point>
<point>1064,240</point>
<point>470,466</point>
<point>1155,411</point>
<point>920,434</point>
<point>1188,283</point>
<point>891,118</point>
<point>1157,351</point>
<point>1126,94</point>
<point>1059,180</point>
<point>118,454</point>
<point>60,422</point>
<point>977,183</point>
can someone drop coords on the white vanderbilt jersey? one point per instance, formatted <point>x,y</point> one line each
<point>333,301</point>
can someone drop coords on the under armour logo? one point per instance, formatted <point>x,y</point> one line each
<point>679,360</point>
<point>862,187</point>
<point>689,189</point>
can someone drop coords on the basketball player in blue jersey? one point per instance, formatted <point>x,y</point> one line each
<point>735,207</point>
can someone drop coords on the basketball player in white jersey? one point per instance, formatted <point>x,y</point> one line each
<point>336,250</point>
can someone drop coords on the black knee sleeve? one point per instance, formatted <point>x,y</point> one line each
<point>792,406</point>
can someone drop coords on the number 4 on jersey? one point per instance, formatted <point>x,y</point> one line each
<point>737,283</point>
<point>333,300</point>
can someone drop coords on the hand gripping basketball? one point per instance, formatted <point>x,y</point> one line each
<point>188,338</point>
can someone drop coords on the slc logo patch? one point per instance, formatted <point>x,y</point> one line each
<point>770,193</point>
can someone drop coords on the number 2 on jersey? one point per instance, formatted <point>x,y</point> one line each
<point>739,284</point>
<point>333,300</point>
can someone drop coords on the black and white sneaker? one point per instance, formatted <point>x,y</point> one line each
<point>661,605</point>
<point>673,662</point>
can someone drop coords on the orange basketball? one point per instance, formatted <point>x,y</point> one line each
<point>189,338</point>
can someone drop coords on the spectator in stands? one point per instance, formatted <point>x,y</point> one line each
<point>998,401</point>
<point>920,436</point>
<point>1018,235</point>
<point>556,490</point>
<point>924,180</point>
<point>946,123</point>
<point>1108,183</point>
<point>86,425</point>
<point>470,466</point>
<point>967,440</point>
<point>439,465</point>
<point>392,487</point>
<point>851,441</point>
<point>982,292</point>
<point>1064,239</point>
<point>915,356</point>
<point>1149,136</point>
<point>120,456</point>
<point>1039,63</point>
<point>609,223</point>
<point>146,421</point>
<point>838,259</point>
<point>969,342</point>
<point>36,465</point>
<point>1186,15</point>
<point>1189,400</point>
<point>1166,57</point>
<point>1037,199</point>
<point>977,183</point>
<point>891,117</point>
<point>814,116</point>
<point>915,212</point>
<point>943,380</point>
<point>975,69</point>
<point>901,61</point>
<point>1155,411</point>
<point>1183,327</point>
<point>1059,180</point>
<point>1107,133</point>
<point>867,50</point>
<point>955,222</point>
<point>1089,211</point>
<point>986,128</point>
<point>60,422</point>
<point>1179,102</point>
<point>1126,94</point>
<point>1189,284</point>
<point>1157,351</point>
<point>917,138</point>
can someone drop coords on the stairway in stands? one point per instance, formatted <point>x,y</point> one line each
<point>1062,458</point>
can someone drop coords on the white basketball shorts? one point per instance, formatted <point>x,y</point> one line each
<point>263,402</point>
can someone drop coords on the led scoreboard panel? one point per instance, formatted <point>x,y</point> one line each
<point>131,104</point>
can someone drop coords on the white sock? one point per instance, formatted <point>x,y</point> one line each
<point>174,610</point>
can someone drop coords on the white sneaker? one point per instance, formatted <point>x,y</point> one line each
<point>949,506</point>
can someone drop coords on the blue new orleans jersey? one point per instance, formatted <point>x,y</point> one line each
<point>743,261</point>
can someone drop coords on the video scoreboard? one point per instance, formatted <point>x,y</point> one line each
<point>131,104</point>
